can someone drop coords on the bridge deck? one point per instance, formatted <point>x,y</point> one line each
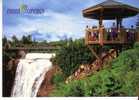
<point>32,48</point>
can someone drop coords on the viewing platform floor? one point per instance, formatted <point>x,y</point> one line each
<point>108,42</point>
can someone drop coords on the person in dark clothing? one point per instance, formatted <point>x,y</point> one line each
<point>114,31</point>
<point>131,34</point>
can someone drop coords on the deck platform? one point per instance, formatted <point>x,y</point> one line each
<point>108,42</point>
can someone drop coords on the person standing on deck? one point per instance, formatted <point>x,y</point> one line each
<point>114,32</point>
<point>94,33</point>
<point>131,34</point>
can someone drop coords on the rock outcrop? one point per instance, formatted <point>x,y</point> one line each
<point>47,86</point>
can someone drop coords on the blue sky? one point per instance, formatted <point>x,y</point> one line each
<point>61,19</point>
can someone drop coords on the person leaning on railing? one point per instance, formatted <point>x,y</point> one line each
<point>114,32</point>
<point>132,30</point>
<point>91,34</point>
<point>94,33</point>
<point>131,34</point>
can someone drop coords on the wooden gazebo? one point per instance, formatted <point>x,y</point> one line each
<point>109,10</point>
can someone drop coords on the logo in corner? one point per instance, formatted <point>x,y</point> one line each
<point>23,8</point>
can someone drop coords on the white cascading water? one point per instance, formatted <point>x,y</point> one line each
<point>30,74</point>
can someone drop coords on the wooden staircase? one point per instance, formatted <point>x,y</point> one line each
<point>88,69</point>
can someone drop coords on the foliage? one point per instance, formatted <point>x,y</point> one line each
<point>58,78</point>
<point>14,39</point>
<point>73,89</point>
<point>4,41</point>
<point>26,39</point>
<point>71,55</point>
<point>16,42</point>
<point>120,80</point>
<point>136,45</point>
<point>60,43</point>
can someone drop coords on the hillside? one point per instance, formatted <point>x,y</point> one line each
<point>119,78</point>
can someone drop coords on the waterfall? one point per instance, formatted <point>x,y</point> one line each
<point>30,74</point>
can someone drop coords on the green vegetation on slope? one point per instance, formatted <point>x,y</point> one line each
<point>121,79</point>
<point>58,78</point>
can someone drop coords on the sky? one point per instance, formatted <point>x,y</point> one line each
<point>61,19</point>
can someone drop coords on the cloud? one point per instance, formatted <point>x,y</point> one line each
<point>36,36</point>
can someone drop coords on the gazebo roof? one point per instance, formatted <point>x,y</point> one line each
<point>110,9</point>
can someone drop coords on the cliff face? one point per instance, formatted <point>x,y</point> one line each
<point>9,69</point>
<point>47,86</point>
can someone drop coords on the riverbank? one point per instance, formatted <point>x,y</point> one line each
<point>47,87</point>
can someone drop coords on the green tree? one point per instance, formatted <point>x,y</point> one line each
<point>71,55</point>
<point>26,39</point>
<point>4,41</point>
<point>15,40</point>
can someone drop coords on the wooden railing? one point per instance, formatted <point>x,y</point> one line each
<point>93,36</point>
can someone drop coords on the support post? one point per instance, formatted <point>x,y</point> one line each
<point>95,54</point>
<point>118,23</point>
<point>86,37</point>
<point>101,28</point>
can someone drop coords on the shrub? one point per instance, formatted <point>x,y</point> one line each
<point>75,88</point>
<point>126,66</point>
<point>136,45</point>
<point>128,60</point>
<point>58,78</point>
<point>101,84</point>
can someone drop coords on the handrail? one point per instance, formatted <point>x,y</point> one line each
<point>106,34</point>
